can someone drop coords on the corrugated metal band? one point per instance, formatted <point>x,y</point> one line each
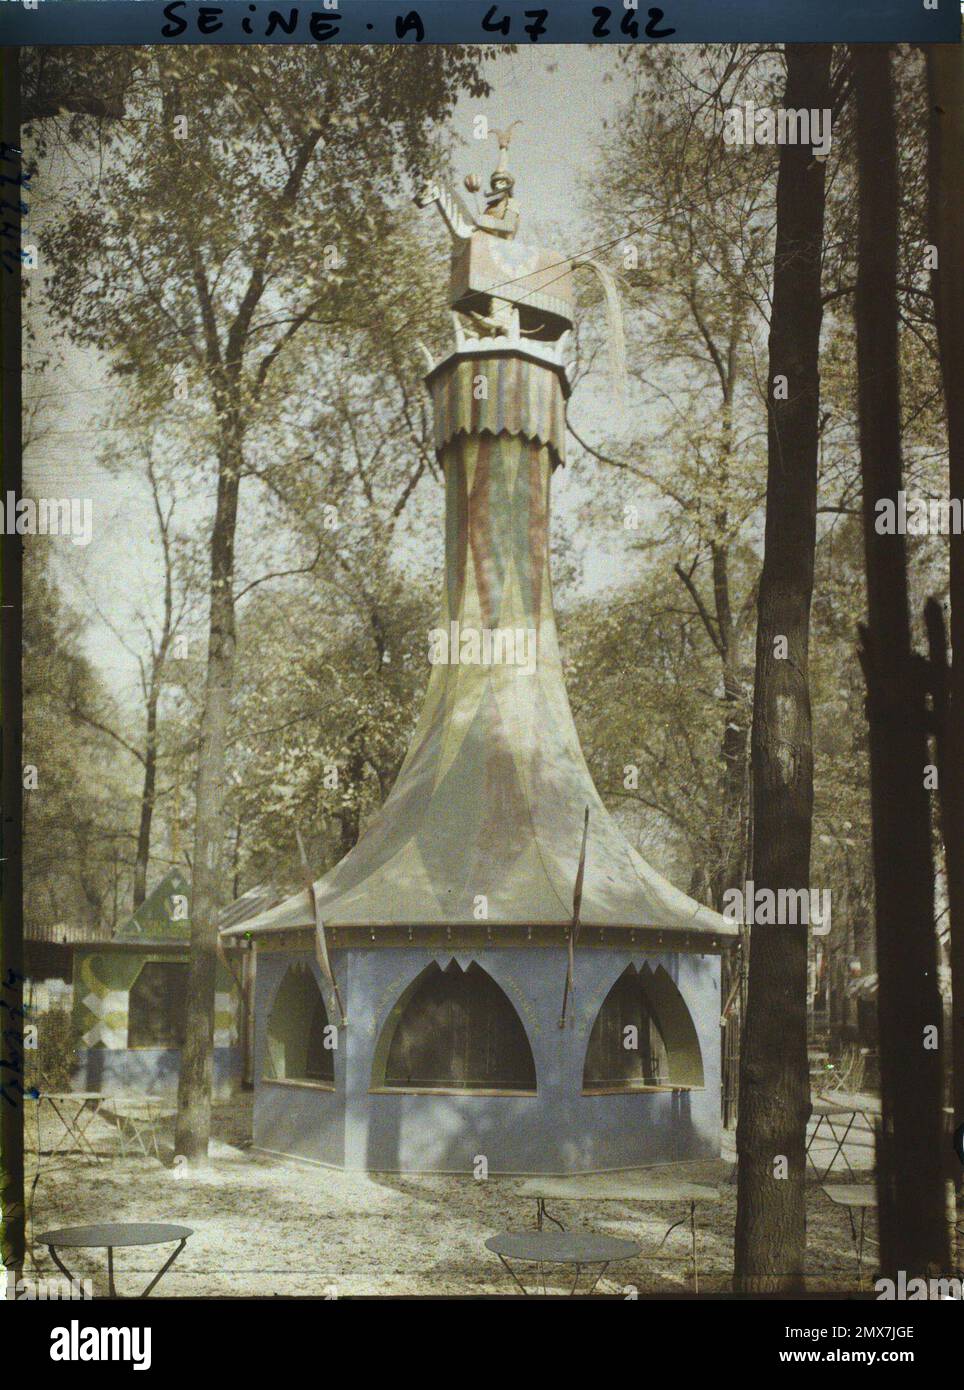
<point>500,395</point>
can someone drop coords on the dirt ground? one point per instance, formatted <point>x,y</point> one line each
<point>269,1226</point>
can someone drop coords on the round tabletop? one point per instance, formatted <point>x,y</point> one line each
<point>115,1233</point>
<point>824,1106</point>
<point>851,1194</point>
<point>562,1247</point>
<point>72,1095</point>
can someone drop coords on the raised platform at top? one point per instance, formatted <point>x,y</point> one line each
<point>498,387</point>
<point>539,354</point>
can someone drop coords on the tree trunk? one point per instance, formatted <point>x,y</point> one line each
<point>153,694</point>
<point>148,793</point>
<point>349,815</point>
<point>197,1055</point>
<point>236,861</point>
<point>12,1099</point>
<point>945,75</point>
<point>913,1236</point>
<point>734,827</point>
<point>734,817</point>
<point>774,1081</point>
<point>734,822</point>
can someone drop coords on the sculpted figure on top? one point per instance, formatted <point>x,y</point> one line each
<point>500,288</point>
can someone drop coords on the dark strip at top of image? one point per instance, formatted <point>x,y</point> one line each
<point>479,21</point>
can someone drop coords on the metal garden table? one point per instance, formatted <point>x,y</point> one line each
<point>856,1197</point>
<point>76,1111</point>
<point>141,1115</point>
<point>561,1248</point>
<point>113,1236</point>
<point>840,1104</point>
<point>625,1187</point>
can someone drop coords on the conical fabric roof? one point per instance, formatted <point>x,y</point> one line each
<point>485,820</point>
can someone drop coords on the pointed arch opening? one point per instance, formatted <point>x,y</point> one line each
<point>300,1041</point>
<point>454,1031</point>
<point>644,1038</point>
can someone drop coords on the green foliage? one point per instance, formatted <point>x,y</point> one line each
<point>329,690</point>
<point>247,226</point>
<point>643,679</point>
<point>70,100</point>
<point>288,176</point>
<point>75,821</point>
